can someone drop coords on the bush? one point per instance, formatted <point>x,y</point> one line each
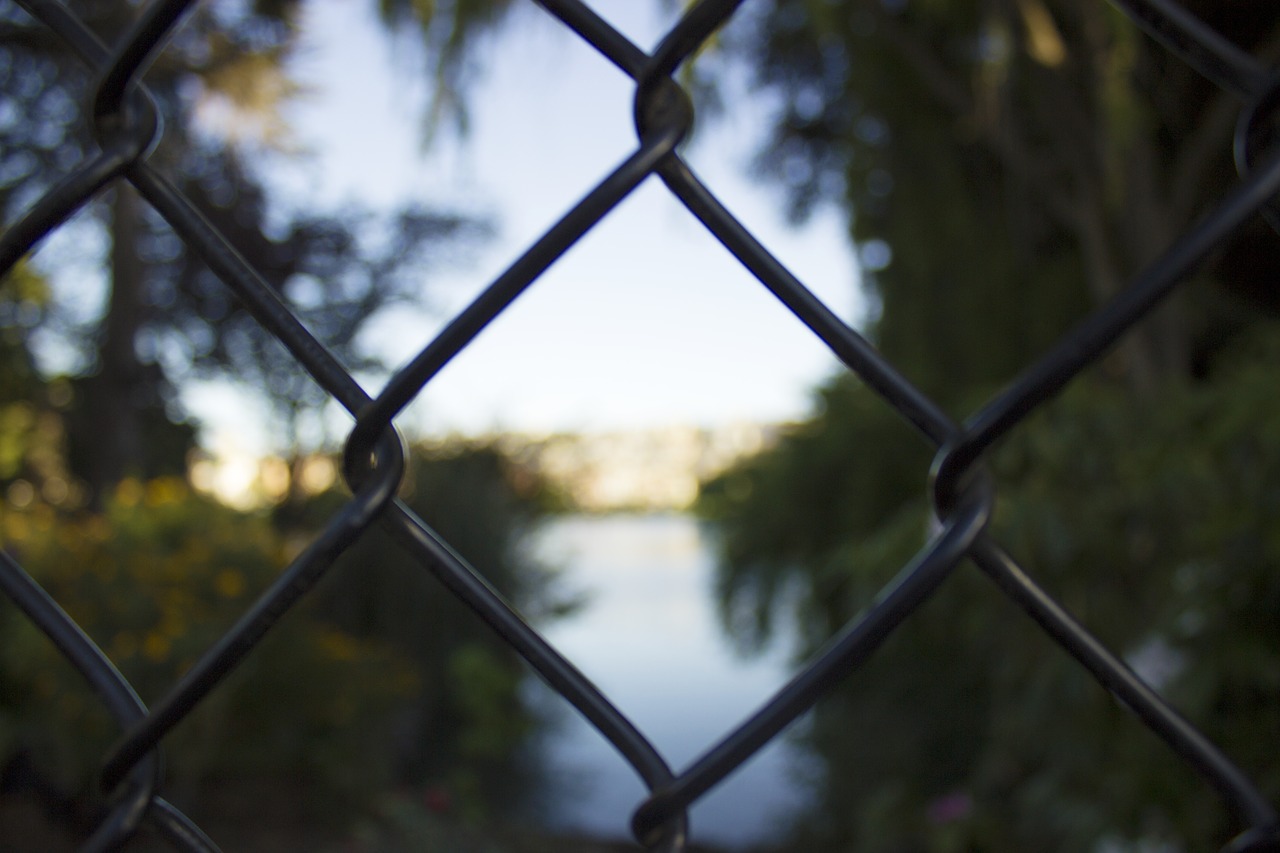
<point>155,579</point>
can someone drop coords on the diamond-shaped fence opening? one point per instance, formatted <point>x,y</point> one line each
<point>126,128</point>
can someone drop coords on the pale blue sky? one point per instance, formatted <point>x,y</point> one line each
<point>648,320</point>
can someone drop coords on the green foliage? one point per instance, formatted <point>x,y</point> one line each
<point>463,730</point>
<point>164,317</point>
<point>1006,167</point>
<point>401,824</point>
<point>1154,525</point>
<point>449,33</point>
<point>1151,522</point>
<point>761,534</point>
<point>1015,162</point>
<point>155,579</point>
<point>378,680</point>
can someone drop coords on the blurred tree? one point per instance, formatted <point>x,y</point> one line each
<point>466,730</point>
<point>379,682</point>
<point>155,578</point>
<point>32,439</point>
<point>1014,161</point>
<point>133,313</point>
<point>449,34</point>
<point>162,316</point>
<point>1007,166</point>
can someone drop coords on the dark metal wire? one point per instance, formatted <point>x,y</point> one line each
<point>1198,45</point>
<point>127,127</point>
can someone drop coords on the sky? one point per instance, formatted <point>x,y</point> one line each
<point>648,321</point>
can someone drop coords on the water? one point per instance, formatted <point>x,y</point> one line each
<point>650,639</point>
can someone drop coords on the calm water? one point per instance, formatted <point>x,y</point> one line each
<point>649,637</point>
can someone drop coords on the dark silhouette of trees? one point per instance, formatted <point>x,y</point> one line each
<point>164,316</point>
<point>1009,167</point>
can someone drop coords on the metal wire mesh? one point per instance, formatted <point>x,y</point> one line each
<point>126,126</point>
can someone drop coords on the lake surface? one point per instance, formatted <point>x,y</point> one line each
<point>649,637</point>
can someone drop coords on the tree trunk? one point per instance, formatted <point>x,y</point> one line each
<point>114,394</point>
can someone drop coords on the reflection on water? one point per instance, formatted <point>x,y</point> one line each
<point>649,637</point>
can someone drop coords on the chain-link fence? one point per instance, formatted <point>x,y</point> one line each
<point>126,125</point>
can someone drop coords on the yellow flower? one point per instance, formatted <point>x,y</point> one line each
<point>129,492</point>
<point>155,647</point>
<point>17,527</point>
<point>123,645</point>
<point>338,646</point>
<point>229,583</point>
<point>165,490</point>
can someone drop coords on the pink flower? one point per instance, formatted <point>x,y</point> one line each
<point>437,799</point>
<point>950,807</point>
